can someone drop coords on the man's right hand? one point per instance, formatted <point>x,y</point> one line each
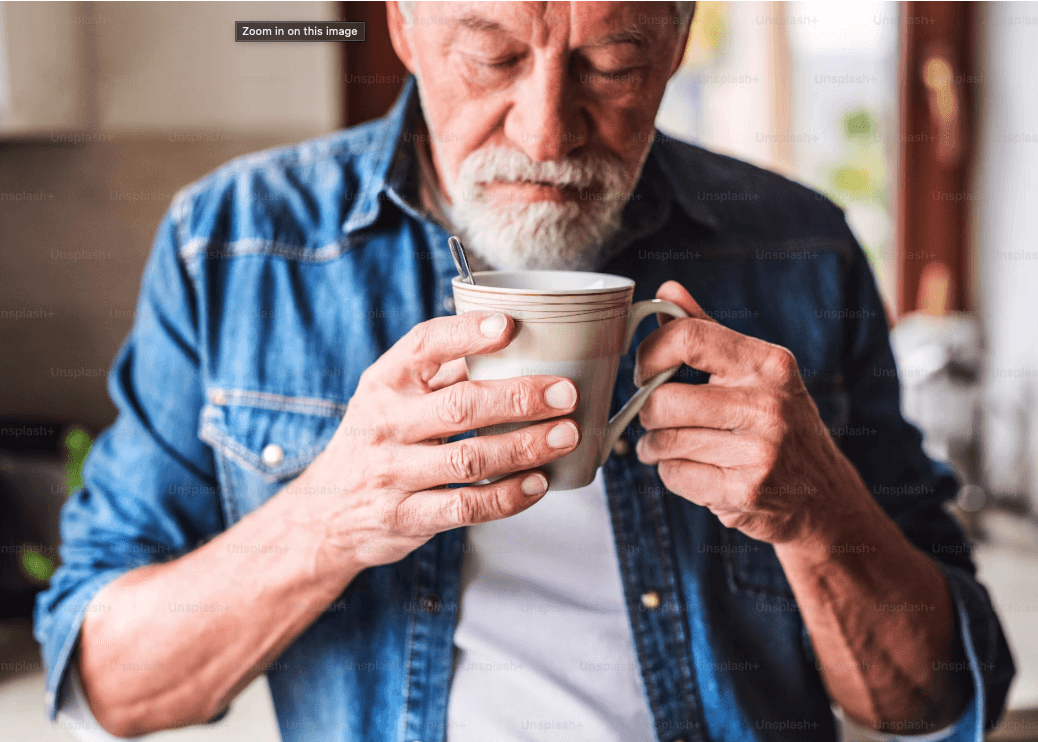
<point>382,476</point>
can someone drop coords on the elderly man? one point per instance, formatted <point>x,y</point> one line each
<point>286,486</point>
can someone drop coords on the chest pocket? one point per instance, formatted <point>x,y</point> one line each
<point>751,565</point>
<point>262,441</point>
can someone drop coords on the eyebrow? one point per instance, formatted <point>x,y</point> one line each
<point>478,23</point>
<point>633,34</point>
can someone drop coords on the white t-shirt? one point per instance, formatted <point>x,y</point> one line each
<point>546,651</point>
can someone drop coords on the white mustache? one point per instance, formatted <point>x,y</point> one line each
<point>512,166</point>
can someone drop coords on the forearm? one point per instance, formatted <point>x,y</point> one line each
<point>175,642</point>
<point>882,624</point>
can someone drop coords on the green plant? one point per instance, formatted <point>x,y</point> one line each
<point>78,444</point>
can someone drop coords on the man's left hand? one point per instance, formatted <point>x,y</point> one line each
<point>750,444</point>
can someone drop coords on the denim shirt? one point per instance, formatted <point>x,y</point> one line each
<point>277,280</point>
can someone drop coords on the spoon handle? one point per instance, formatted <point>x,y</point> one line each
<point>460,261</point>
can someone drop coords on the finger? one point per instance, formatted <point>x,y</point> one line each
<point>433,511</point>
<point>703,484</point>
<point>704,445</point>
<point>675,293</point>
<point>470,405</point>
<point>450,373</point>
<point>679,405</point>
<point>702,344</point>
<point>418,355</point>
<point>485,457</point>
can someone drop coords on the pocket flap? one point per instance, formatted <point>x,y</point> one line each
<point>271,435</point>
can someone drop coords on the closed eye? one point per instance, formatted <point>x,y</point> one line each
<point>613,73</point>
<point>498,64</point>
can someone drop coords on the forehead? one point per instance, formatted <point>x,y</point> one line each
<point>574,24</point>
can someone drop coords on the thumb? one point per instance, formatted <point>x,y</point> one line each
<point>675,293</point>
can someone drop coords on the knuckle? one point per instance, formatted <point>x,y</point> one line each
<point>740,413</point>
<point>382,479</point>
<point>383,476</point>
<point>781,364</point>
<point>496,502</point>
<point>466,460</point>
<point>478,505</point>
<point>690,332</point>
<point>381,428</point>
<point>456,332</point>
<point>387,515</point>
<point>521,399</point>
<point>668,439</point>
<point>527,447</point>
<point>453,406</point>
<point>462,508</point>
<point>418,339</point>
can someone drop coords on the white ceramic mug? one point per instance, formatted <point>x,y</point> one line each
<point>572,324</point>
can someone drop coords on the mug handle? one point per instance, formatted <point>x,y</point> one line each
<point>621,419</point>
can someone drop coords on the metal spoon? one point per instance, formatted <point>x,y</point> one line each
<point>460,262</point>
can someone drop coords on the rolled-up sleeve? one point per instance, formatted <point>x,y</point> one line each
<point>912,489</point>
<point>149,490</point>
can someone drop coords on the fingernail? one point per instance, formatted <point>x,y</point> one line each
<point>561,395</point>
<point>535,484</point>
<point>563,435</point>
<point>493,326</point>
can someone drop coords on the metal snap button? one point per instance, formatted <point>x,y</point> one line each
<point>273,454</point>
<point>651,600</point>
<point>216,396</point>
<point>430,603</point>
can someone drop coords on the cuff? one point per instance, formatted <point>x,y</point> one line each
<point>854,732</point>
<point>987,654</point>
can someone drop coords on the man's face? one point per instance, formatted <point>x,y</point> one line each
<point>541,116</point>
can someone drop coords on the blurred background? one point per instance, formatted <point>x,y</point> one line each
<point>919,119</point>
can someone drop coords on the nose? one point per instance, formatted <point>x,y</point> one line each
<point>546,120</point>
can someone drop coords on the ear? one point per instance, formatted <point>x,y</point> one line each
<point>398,35</point>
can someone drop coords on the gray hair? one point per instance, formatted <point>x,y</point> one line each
<point>683,8</point>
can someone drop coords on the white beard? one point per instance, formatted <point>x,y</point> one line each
<point>515,235</point>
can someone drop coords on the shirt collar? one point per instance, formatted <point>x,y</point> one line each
<point>391,159</point>
<point>679,182</point>
<point>394,177</point>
